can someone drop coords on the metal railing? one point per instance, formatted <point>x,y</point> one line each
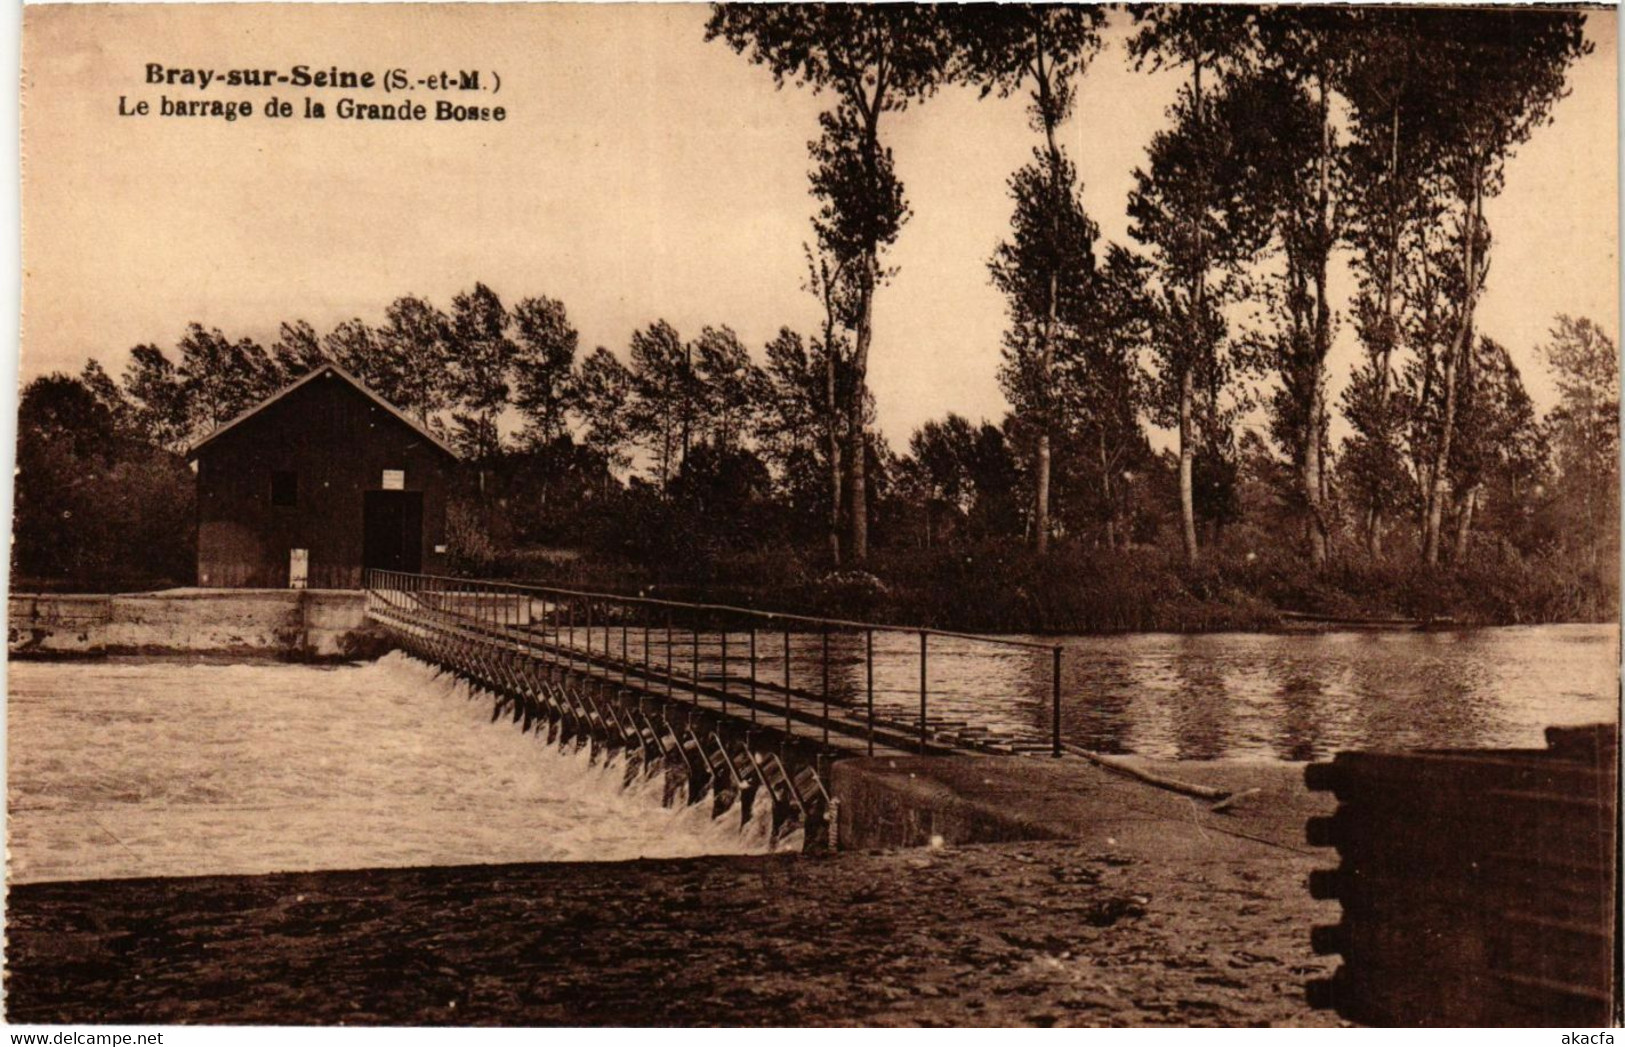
<point>800,674</point>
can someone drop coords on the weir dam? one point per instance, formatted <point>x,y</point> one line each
<point>746,710</point>
<point>258,808</point>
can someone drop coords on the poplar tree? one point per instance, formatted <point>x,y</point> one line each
<point>1394,135</point>
<point>659,412</point>
<point>543,366</point>
<point>220,378</point>
<point>298,350</point>
<point>481,356</point>
<point>603,394</point>
<point>875,59</point>
<point>1281,116</point>
<point>731,389</point>
<point>416,343</point>
<point>155,390</point>
<point>1501,451</point>
<point>1183,210</point>
<point>829,280</point>
<point>1584,430</point>
<point>1050,257</point>
<point>407,361</point>
<point>1499,73</point>
<point>354,346</point>
<point>1100,388</point>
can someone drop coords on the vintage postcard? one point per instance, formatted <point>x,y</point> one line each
<point>816,515</point>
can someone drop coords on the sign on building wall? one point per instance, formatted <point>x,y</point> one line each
<point>394,479</point>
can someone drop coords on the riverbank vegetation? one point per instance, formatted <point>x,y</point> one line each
<point>1172,457</point>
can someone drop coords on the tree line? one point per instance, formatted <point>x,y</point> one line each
<point>1297,135</point>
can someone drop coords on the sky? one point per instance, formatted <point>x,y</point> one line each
<point>641,173</point>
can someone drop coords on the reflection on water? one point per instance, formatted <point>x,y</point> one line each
<point>1303,697</point>
<point>1281,696</point>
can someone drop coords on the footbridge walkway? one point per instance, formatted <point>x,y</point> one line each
<point>730,704</point>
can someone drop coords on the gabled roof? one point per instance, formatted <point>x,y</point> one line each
<point>328,368</point>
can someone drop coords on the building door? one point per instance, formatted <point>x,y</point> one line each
<point>392,531</point>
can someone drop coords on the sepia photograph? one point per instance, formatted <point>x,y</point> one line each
<point>790,515</point>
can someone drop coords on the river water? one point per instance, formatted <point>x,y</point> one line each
<point>1293,697</point>
<point>1281,696</point>
<point>147,768</point>
<point>167,768</point>
<point>1305,696</point>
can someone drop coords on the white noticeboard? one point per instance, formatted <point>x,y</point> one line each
<point>394,479</point>
<point>298,568</point>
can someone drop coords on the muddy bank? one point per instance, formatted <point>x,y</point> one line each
<point>1025,934</point>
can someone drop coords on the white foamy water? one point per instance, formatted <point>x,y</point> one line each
<point>163,768</point>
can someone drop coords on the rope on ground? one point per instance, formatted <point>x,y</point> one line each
<point>1118,764</point>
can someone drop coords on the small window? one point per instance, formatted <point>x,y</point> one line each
<point>284,488</point>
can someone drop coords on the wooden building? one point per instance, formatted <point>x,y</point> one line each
<point>317,483</point>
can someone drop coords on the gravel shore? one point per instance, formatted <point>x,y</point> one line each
<point>1009,934</point>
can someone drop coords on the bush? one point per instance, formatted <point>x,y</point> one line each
<point>96,509</point>
<point>469,548</point>
<point>365,644</point>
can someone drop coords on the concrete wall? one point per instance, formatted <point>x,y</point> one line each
<point>906,802</point>
<point>278,622</point>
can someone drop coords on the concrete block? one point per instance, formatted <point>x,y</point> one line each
<point>248,622</point>
<point>56,624</point>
